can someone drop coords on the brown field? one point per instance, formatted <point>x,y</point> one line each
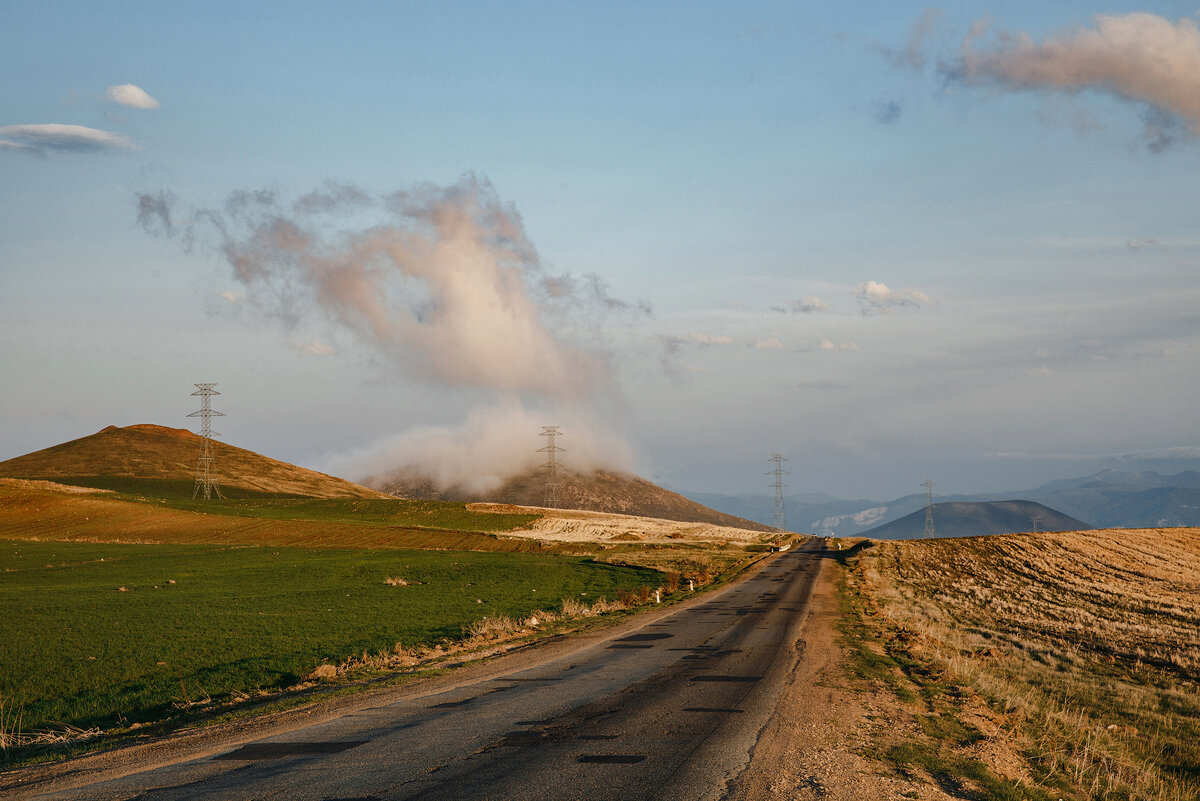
<point>1047,665</point>
<point>62,513</point>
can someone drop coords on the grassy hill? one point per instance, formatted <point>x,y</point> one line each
<point>962,519</point>
<point>161,462</point>
<point>1043,665</point>
<point>597,491</point>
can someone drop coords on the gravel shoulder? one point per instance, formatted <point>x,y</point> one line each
<point>813,746</point>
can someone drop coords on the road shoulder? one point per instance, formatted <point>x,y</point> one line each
<point>813,745</point>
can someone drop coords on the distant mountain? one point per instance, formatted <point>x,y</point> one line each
<point>1108,499</point>
<point>1119,499</point>
<point>958,519</point>
<point>160,461</point>
<point>598,491</point>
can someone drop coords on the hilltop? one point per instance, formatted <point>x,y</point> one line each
<point>962,519</point>
<point>596,491</point>
<point>157,460</point>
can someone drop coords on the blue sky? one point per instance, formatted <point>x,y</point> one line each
<point>867,238</point>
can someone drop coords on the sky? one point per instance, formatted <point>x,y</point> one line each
<point>891,241</point>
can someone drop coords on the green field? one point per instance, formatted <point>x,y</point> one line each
<point>75,649</point>
<point>239,502</point>
<point>443,515</point>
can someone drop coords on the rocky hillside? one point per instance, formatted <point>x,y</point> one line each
<point>598,491</point>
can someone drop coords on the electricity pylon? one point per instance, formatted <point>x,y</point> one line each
<point>778,514</point>
<point>206,482</point>
<point>928,485</point>
<point>551,466</point>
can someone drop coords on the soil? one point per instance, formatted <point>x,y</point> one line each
<point>812,747</point>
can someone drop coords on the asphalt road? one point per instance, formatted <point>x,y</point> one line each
<point>668,711</point>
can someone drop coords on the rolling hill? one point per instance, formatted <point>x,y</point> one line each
<point>598,491</point>
<point>153,459</point>
<point>958,519</point>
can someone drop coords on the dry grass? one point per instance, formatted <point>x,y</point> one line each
<point>572,525</point>
<point>1085,647</point>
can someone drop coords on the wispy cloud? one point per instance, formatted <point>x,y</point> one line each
<point>770,343</point>
<point>912,53</point>
<point>1139,57</point>
<point>808,304</point>
<point>709,339</point>
<point>876,298</point>
<point>828,344</point>
<point>887,111</point>
<point>127,94</point>
<point>55,137</point>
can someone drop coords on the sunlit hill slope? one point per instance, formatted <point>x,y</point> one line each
<point>161,461</point>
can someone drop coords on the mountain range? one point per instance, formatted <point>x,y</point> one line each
<point>1108,499</point>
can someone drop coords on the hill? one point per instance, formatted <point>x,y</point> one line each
<point>597,491</point>
<point>161,461</point>
<point>966,519</point>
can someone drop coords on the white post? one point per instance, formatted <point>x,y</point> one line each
<point>658,596</point>
<point>691,586</point>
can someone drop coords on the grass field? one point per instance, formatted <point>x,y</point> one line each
<point>43,513</point>
<point>200,621</point>
<point>1039,665</point>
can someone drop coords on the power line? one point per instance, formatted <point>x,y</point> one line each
<point>778,514</point>
<point>928,485</point>
<point>206,482</point>
<point>551,466</point>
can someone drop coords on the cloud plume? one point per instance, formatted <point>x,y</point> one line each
<point>39,139</point>
<point>441,280</point>
<point>493,444</point>
<point>1139,57</point>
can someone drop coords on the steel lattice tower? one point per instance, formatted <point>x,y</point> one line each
<point>778,514</point>
<point>206,482</point>
<point>928,485</point>
<point>550,432</point>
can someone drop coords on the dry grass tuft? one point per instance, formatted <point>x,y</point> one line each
<point>395,581</point>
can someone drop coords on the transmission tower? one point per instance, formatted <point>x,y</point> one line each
<point>778,514</point>
<point>550,432</point>
<point>928,485</point>
<point>206,482</point>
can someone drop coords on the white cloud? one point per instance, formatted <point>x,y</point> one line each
<point>313,348</point>
<point>57,137</point>
<point>230,296</point>
<point>126,94</point>
<point>1039,371</point>
<point>827,344</point>
<point>876,297</point>
<point>1139,57</point>
<point>770,343</point>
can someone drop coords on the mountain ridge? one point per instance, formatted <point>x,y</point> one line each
<point>596,490</point>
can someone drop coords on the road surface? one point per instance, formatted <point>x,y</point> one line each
<point>671,710</point>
